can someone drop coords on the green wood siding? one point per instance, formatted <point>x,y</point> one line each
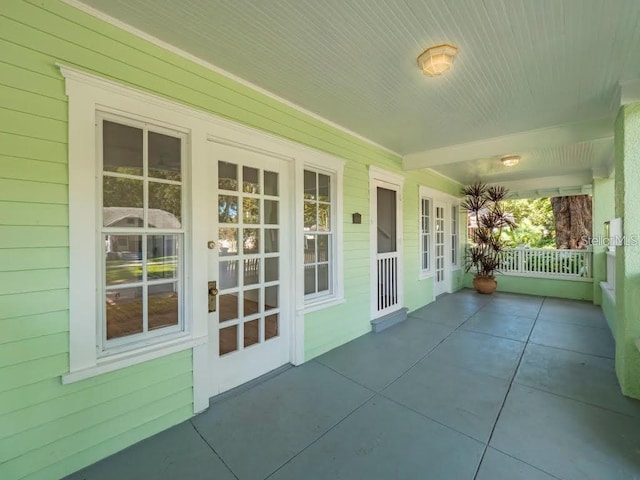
<point>49,429</point>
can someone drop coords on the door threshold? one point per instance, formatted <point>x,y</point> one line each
<point>221,397</point>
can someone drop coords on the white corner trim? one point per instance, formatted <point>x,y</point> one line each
<point>133,357</point>
<point>203,63</point>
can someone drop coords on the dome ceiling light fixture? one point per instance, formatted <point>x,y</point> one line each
<point>510,160</point>
<point>435,61</point>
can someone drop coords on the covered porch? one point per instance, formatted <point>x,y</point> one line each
<point>506,387</point>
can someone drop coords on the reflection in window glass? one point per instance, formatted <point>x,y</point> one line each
<point>228,340</point>
<point>227,209</point>
<point>228,241</point>
<point>251,210</point>
<point>121,148</point>
<point>163,305</point>
<point>164,157</point>
<point>228,274</point>
<point>228,305</point>
<point>123,259</point>
<point>165,205</point>
<point>227,176</point>
<point>251,271</point>
<point>251,302</point>
<point>271,326</point>
<point>250,180</point>
<point>271,183</point>
<point>251,240</point>
<point>271,297</point>
<point>162,256</point>
<point>271,212</point>
<point>124,312</point>
<point>251,332</point>
<point>318,234</point>
<point>271,240</point>
<point>271,269</point>
<point>142,275</point>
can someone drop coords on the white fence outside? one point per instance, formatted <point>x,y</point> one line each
<point>548,263</point>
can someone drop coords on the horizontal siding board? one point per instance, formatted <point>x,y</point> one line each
<point>32,148</point>
<point>101,394</point>
<point>113,444</point>
<point>191,74</point>
<point>13,53</point>
<point>24,79</point>
<point>32,170</point>
<point>32,303</point>
<point>33,281</point>
<point>28,350</point>
<point>28,191</point>
<point>90,437</point>
<point>33,126</point>
<point>32,326</point>
<point>34,103</point>
<point>84,419</point>
<point>32,237</point>
<point>122,380</point>
<point>14,259</point>
<point>34,371</point>
<point>25,214</point>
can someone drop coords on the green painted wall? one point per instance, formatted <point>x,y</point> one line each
<point>49,429</point>
<point>627,194</point>
<point>577,290</point>
<point>603,210</point>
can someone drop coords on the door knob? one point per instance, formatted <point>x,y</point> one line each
<point>213,293</point>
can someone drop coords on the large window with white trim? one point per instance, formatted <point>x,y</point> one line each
<point>318,234</point>
<point>455,243</point>
<point>142,227</point>
<point>425,234</point>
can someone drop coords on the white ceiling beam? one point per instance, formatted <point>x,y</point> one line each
<point>511,144</point>
<point>558,182</point>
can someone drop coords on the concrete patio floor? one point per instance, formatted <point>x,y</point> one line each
<point>506,387</point>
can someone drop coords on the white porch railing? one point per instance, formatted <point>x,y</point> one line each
<point>548,263</point>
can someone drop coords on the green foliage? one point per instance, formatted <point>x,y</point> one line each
<point>535,223</point>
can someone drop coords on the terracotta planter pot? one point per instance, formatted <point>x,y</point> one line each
<point>485,285</point>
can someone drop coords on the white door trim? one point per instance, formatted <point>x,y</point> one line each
<point>393,181</point>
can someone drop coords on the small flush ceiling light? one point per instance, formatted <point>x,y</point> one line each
<point>437,60</point>
<point>510,160</point>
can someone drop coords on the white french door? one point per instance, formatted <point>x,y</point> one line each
<point>250,307</point>
<point>441,264</point>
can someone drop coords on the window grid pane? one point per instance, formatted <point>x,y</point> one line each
<point>425,223</point>
<point>142,235</point>
<point>318,234</point>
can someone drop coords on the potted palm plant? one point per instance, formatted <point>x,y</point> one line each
<point>485,253</point>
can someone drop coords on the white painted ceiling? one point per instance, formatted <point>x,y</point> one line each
<point>522,65</point>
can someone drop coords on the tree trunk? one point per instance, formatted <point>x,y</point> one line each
<point>573,221</point>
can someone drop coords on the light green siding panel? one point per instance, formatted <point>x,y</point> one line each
<point>25,79</point>
<point>546,287</point>
<point>23,419</point>
<point>15,213</point>
<point>84,419</point>
<point>90,437</point>
<point>21,304</point>
<point>22,101</point>
<point>33,281</point>
<point>33,126</point>
<point>15,353</point>
<point>32,326</point>
<point>112,445</point>
<point>14,259</point>
<point>32,170</point>
<point>32,148</point>
<point>32,237</point>
<point>31,372</point>
<point>36,192</point>
<point>120,381</point>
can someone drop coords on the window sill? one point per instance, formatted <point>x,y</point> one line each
<point>425,275</point>
<point>322,304</point>
<point>133,357</point>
